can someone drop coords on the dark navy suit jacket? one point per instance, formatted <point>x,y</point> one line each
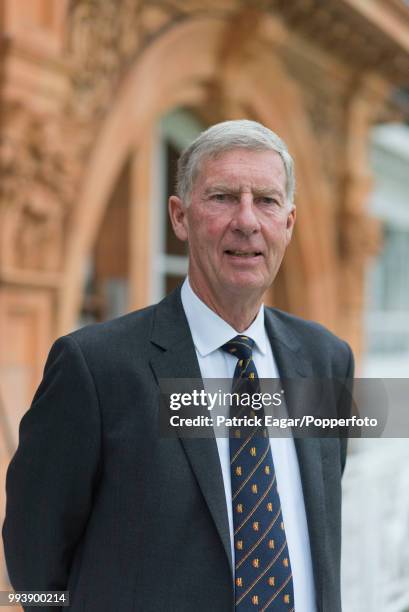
<point>128,521</point>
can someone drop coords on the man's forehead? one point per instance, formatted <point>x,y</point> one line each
<point>244,153</point>
<point>241,169</point>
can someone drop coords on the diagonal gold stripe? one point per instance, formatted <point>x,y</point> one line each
<point>257,505</point>
<point>239,378</point>
<point>236,391</point>
<point>254,470</point>
<point>244,370</point>
<point>263,573</point>
<point>237,453</point>
<point>253,548</point>
<point>242,409</point>
<point>235,343</point>
<point>240,412</point>
<point>286,581</point>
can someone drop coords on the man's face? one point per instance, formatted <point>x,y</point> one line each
<point>238,223</point>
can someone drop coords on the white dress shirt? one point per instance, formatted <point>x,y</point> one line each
<point>210,332</point>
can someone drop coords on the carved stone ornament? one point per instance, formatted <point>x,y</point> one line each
<point>36,188</point>
<point>106,36</point>
<point>102,39</point>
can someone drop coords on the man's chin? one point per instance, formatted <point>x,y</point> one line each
<point>245,285</point>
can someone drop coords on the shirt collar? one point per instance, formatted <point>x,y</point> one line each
<point>209,331</point>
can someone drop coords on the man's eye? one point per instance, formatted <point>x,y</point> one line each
<point>268,200</point>
<point>221,197</point>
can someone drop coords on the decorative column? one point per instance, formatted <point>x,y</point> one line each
<point>360,234</point>
<point>36,189</point>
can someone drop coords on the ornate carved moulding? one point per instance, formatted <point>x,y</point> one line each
<point>366,36</point>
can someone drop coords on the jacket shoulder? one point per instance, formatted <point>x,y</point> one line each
<point>128,332</point>
<point>312,337</point>
<point>303,326</point>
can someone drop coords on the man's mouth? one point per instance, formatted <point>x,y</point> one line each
<point>243,253</point>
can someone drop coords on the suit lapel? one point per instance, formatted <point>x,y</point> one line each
<point>178,359</point>
<point>293,364</point>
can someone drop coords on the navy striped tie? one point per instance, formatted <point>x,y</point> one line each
<point>263,578</point>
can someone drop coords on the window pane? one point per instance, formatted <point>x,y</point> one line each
<point>388,318</point>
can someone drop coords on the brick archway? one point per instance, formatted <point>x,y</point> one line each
<point>184,67</point>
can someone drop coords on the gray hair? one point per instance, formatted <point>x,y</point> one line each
<point>225,136</point>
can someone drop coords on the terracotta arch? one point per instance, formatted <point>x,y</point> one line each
<point>174,71</point>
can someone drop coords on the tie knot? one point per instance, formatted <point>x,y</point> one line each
<point>240,346</point>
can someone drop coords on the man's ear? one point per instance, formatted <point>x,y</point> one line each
<point>177,213</point>
<point>290,223</point>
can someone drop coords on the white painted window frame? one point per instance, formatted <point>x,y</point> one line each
<point>180,128</point>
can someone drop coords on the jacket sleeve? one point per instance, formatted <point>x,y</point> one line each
<point>53,474</point>
<point>345,404</point>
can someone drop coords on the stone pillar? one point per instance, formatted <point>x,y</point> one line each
<point>35,191</point>
<point>360,236</point>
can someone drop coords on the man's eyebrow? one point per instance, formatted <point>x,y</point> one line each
<point>222,187</point>
<point>268,191</point>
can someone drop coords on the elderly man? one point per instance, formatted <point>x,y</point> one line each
<point>101,505</point>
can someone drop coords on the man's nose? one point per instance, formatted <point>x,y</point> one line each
<point>245,218</point>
